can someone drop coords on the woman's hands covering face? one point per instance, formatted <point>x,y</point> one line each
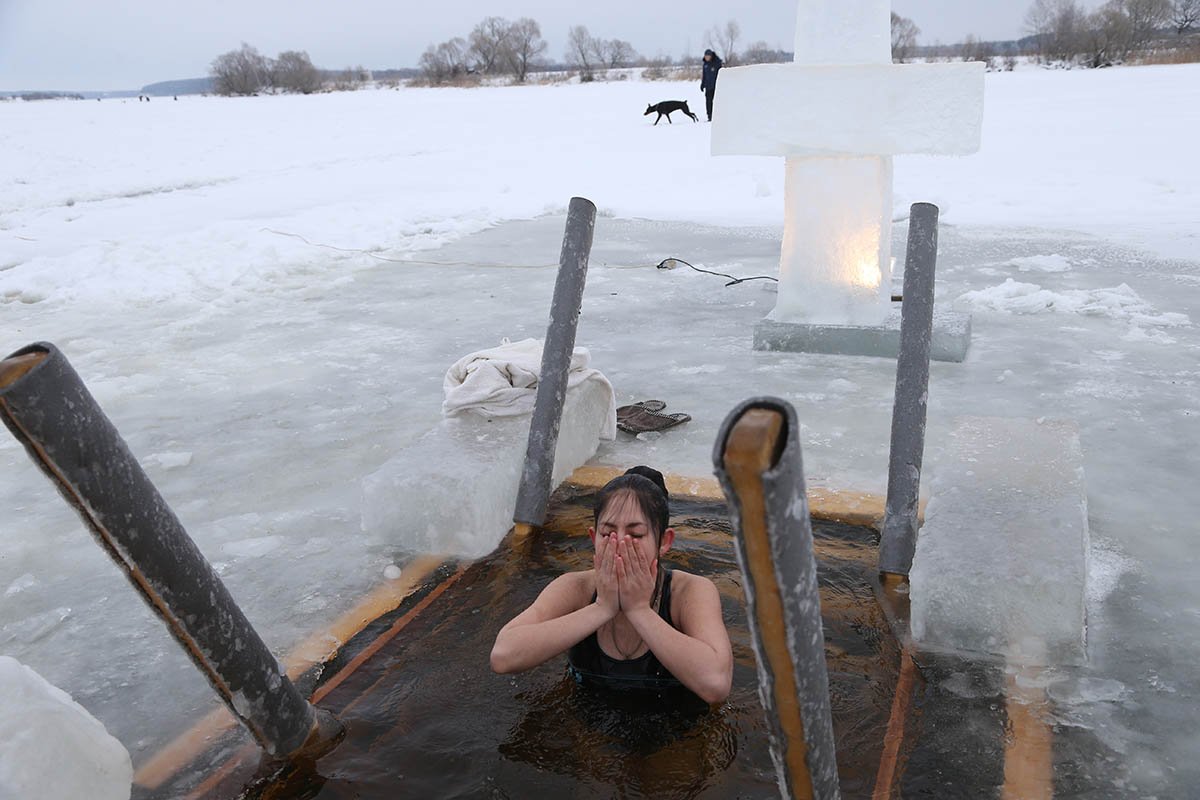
<point>604,561</point>
<point>636,574</point>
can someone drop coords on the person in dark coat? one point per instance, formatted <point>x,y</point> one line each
<point>708,79</point>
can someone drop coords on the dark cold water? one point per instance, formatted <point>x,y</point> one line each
<point>426,717</point>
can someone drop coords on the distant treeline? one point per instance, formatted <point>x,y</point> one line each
<point>1062,33</point>
<point>40,96</point>
<point>246,71</point>
<point>1059,33</point>
<point>498,48</point>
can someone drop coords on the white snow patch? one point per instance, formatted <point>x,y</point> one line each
<point>1106,566</point>
<point>1118,302</point>
<point>1048,263</point>
<point>170,460</point>
<point>26,581</point>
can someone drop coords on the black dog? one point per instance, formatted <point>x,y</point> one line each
<point>665,108</point>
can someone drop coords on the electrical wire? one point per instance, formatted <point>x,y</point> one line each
<point>666,263</point>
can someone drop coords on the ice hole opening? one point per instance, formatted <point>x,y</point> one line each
<point>426,716</point>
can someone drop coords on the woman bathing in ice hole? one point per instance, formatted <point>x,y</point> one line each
<point>627,623</point>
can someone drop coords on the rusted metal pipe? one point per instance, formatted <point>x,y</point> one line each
<point>533,496</point>
<point>898,539</point>
<point>45,404</point>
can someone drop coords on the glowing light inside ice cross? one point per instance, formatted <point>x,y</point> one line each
<point>839,113</point>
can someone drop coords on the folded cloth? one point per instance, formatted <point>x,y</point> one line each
<point>502,382</point>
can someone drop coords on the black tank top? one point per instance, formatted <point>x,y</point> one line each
<point>591,666</point>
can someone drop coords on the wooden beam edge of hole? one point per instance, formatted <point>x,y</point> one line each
<point>15,368</point>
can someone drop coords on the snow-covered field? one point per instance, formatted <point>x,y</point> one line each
<point>242,283</point>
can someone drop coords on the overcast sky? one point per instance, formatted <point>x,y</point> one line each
<point>126,44</point>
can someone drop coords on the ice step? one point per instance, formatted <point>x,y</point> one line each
<point>1001,561</point>
<point>454,490</point>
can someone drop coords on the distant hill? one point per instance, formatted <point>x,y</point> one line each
<point>183,86</point>
<point>394,74</point>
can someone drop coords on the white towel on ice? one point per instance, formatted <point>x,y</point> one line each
<point>502,382</point>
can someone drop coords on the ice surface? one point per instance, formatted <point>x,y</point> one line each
<point>454,491</point>
<point>1001,561</point>
<point>796,110</point>
<point>51,748</point>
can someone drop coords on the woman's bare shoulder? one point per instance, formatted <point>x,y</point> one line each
<point>681,578</point>
<point>566,593</point>
<point>688,587</point>
<point>695,603</point>
<point>575,585</point>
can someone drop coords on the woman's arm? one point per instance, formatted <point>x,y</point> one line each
<point>561,616</point>
<point>698,653</point>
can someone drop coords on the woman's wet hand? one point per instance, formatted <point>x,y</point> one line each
<point>636,575</point>
<point>605,563</point>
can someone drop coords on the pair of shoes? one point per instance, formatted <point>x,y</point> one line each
<point>646,415</point>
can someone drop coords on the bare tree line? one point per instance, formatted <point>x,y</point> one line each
<point>1060,31</point>
<point>494,47</point>
<point>590,54</point>
<point>497,47</point>
<point>1064,32</point>
<point>246,71</point>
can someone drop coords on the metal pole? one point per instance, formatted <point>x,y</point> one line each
<point>45,404</point>
<point>537,474</point>
<point>757,460</point>
<point>898,540</point>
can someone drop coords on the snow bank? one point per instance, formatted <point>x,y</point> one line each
<point>1118,302</point>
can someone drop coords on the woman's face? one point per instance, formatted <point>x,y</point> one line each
<point>624,517</point>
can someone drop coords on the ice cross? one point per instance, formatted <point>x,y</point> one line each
<point>839,113</point>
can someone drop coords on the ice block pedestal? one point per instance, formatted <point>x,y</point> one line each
<point>454,490</point>
<point>1001,561</point>
<point>951,337</point>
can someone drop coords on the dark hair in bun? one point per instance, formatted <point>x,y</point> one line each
<point>649,489</point>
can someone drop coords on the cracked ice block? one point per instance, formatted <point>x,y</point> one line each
<point>1001,561</point>
<point>454,490</point>
<point>50,746</point>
